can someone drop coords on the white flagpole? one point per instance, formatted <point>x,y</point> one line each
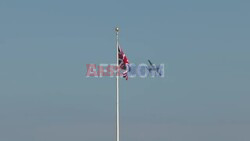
<point>117,88</point>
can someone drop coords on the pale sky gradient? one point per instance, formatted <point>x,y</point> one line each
<point>45,46</point>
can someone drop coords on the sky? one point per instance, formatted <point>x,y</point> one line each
<point>45,46</point>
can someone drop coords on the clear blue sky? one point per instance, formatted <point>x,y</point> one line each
<point>45,45</point>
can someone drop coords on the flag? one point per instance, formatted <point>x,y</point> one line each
<point>123,62</point>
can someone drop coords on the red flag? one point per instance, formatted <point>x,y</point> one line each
<point>123,62</point>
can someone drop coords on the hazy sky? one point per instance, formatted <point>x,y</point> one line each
<point>45,46</point>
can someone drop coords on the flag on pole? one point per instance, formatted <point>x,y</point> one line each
<point>123,62</point>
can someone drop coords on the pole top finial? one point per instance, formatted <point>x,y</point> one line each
<point>117,29</point>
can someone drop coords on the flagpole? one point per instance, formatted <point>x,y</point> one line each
<point>117,88</point>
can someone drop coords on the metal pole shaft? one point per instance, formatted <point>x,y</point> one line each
<point>117,89</point>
